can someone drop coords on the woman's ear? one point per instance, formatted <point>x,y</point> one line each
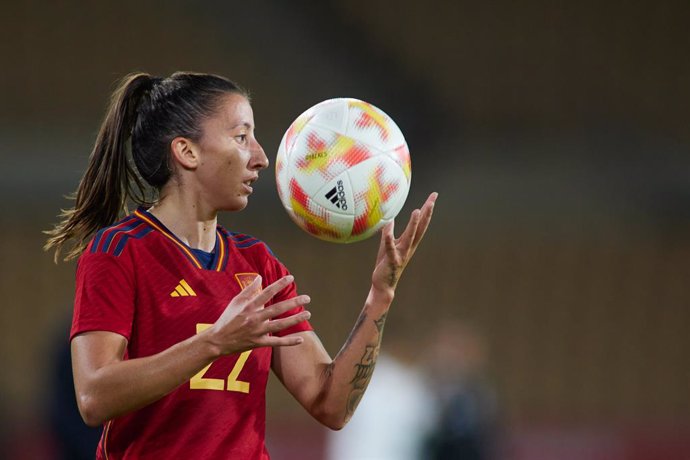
<point>184,152</point>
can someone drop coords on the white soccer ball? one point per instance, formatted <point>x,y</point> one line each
<point>343,170</point>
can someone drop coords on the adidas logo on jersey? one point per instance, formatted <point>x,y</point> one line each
<point>336,195</point>
<point>183,290</point>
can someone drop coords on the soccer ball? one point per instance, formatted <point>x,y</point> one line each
<point>343,170</point>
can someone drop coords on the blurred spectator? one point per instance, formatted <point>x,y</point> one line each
<point>466,423</point>
<point>74,440</point>
<point>393,416</point>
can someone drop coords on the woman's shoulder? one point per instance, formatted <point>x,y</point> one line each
<point>114,238</point>
<point>245,242</point>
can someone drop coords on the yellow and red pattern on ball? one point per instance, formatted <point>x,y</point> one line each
<point>279,169</point>
<point>402,156</point>
<point>315,223</point>
<point>293,131</point>
<point>379,192</point>
<point>321,155</point>
<point>295,128</point>
<point>370,117</point>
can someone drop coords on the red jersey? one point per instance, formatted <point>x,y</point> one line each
<point>139,280</point>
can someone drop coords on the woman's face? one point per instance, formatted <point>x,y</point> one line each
<point>230,157</point>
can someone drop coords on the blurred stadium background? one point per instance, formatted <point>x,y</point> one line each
<point>557,133</point>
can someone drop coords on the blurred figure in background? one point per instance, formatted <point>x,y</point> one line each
<point>74,440</point>
<point>395,415</point>
<point>466,423</point>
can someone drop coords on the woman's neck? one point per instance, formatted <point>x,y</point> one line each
<point>193,225</point>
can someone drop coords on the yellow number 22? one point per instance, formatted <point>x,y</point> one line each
<point>199,382</point>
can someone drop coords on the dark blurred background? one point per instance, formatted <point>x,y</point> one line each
<point>557,134</point>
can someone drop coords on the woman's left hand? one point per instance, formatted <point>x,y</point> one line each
<point>394,254</point>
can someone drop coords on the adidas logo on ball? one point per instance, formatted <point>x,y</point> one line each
<point>337,196</point>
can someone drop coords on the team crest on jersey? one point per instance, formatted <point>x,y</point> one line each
<point>245,279</point>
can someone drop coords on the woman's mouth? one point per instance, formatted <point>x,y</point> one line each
<point>248,184</point>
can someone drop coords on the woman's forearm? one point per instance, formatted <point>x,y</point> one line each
<point>113,387</point>
<point>345,380</point>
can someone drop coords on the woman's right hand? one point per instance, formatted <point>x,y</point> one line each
<point>246,323</point>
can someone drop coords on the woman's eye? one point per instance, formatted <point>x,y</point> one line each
<point>242,138</point>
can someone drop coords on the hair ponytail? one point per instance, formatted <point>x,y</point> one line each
<point>109,179</point>
<point>151,112</point>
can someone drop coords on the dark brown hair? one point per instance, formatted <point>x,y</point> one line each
<point>150,112</point>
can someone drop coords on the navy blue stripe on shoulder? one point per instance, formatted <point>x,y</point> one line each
<point>241,237</point>
<point>243,241</point>
<point>104,232</point>
<point>145,230</point>
<point>112,240</point>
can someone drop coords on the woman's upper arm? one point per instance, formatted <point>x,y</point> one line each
<point>302,368</point>
<point>93,350</point>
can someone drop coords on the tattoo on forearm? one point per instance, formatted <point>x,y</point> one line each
<point>364,369</point>
<point>379,325</point>
<point>358,325</point>
<point>393,277</point>
<point>363,372</point>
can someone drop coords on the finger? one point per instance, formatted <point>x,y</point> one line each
<point>287,341</point>
<point>408,235</point>
<point>284,323</point>
<point>386,231</point>
<point>281,307</point>
<point>391,250</point>
<point>269,291</point>
<point>425,220</point>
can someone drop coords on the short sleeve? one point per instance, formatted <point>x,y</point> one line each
<point>289,292</point>
<point>104,297</point>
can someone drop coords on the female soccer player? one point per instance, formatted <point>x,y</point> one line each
<point>176,320</point>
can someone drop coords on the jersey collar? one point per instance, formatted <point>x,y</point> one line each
<point>220,256</point>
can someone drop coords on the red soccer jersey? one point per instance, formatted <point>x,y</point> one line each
<point>137,279</point>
